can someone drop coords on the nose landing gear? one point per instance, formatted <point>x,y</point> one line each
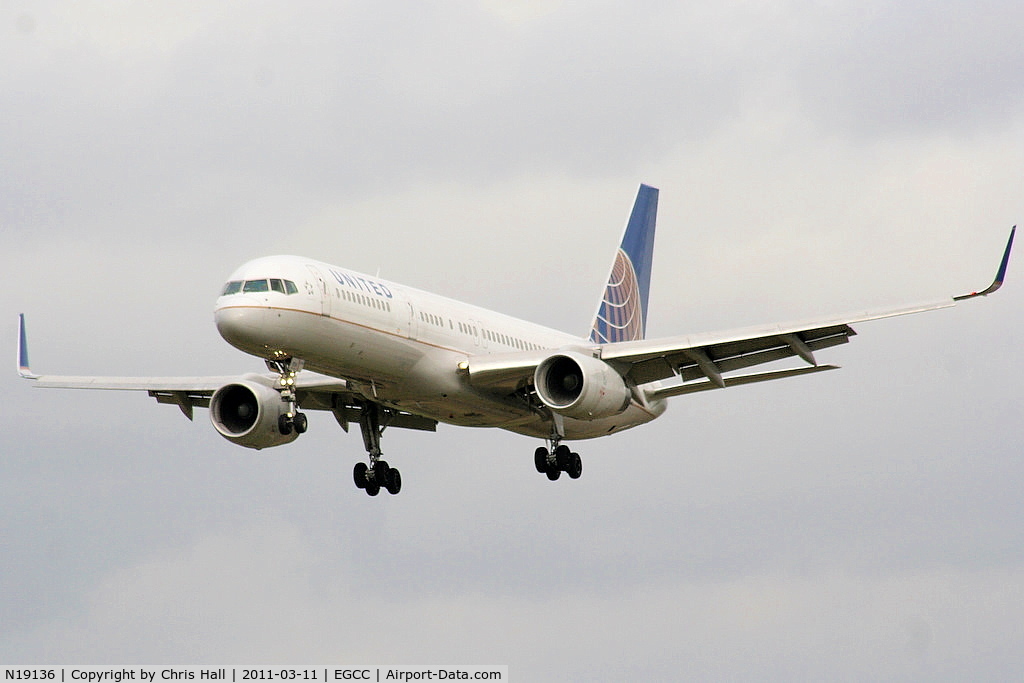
<point>292,419</point>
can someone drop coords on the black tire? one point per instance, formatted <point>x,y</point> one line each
<point>393,481</point>
<point>562,457</point>
<point>284,425</point>
<point>372,489</point>
<point>300,422</point>
<point>575,468</point>
<point>359,474</point>
<point>540,459</point>
<point>554,474</point>
<point>380,472</point>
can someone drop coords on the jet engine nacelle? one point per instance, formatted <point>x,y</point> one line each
<point>580,386</point>
<point>247,413</point>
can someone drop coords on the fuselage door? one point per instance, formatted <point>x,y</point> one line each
<point>412,327</point>
<point>323,290</point>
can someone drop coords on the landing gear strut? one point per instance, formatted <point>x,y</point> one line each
<point>292,419</point>
<point>559,458</point>
<point>378,474</point>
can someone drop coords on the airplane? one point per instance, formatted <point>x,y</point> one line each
<point>380,354</point>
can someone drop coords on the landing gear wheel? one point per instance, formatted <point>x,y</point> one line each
<point>359,474</point>
<point>540,459</point>
<point>284,425</point>
<point>373,488</point>
<point>575,468</point>
<point>393,481</point>
<point>562,456</point>
<point>300,423</point>
<point>554,462</point>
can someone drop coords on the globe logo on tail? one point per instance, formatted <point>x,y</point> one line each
<point>620,316</point>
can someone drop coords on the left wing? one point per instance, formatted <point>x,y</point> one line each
<point>711,356</point>
<point>691,357</point>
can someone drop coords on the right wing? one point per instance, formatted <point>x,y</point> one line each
<point>313,391</point>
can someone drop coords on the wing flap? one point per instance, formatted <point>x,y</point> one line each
<point>391,418</point>
<point>185,400</point>
<point>771,349</point>
<point>668,392</point>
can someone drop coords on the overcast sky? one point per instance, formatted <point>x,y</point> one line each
<point>813,158</point>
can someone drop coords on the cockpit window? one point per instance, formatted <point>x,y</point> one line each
<point>255,286</point>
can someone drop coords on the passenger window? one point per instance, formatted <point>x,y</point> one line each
<point>233,287</point>
<point>277,286</point>
<point>255,286</point>
<point>290,288</point>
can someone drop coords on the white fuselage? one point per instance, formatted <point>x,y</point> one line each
<point>396,345</point>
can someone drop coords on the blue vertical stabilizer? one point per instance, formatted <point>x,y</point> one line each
<point>622,313</point>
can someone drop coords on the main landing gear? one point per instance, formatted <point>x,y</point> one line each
<point>559,459</point>
<point>378,474</point>
<point>291,420</point>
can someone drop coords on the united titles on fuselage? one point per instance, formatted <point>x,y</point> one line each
<point>362,284</point>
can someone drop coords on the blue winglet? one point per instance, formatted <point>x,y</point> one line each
<point>23,367</point>
<point>1000,275</point>
<point>1006,259</point>
<point>622,313</point>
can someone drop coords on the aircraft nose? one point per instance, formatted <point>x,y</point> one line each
<point>240,326</point>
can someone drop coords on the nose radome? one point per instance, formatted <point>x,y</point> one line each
<point>240,327</point>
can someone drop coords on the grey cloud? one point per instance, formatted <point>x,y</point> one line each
<point>880,70</point>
